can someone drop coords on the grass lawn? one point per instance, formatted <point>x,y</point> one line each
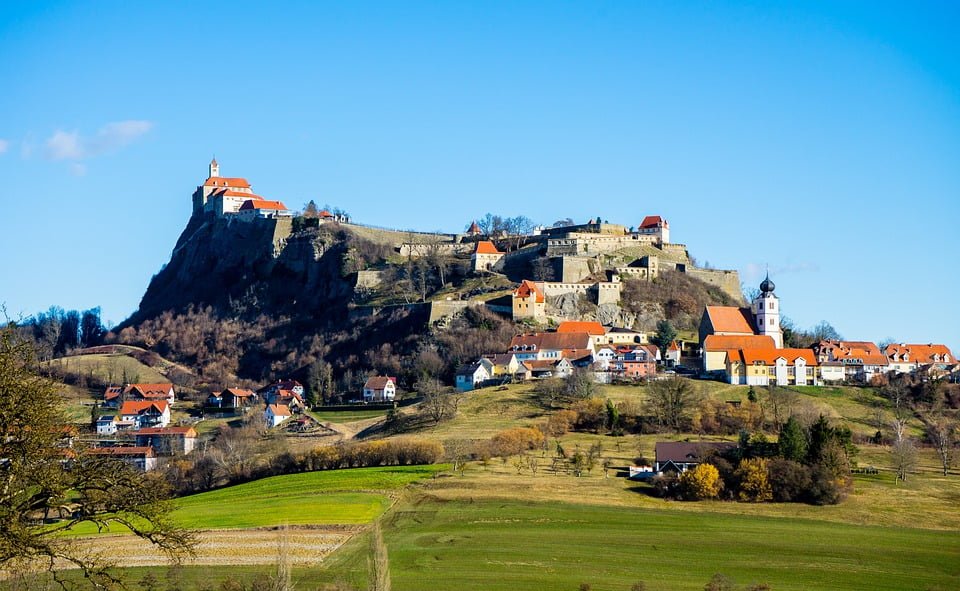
<point>346,416</point>
<point>330,497</point>
<point>513,544</point>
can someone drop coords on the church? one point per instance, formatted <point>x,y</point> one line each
<point>725,328</point>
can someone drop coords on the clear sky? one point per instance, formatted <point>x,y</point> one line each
<point>821,139</point>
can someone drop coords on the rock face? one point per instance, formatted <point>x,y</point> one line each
<point>250,267</point>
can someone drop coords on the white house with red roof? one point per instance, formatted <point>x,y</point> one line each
<point>222,195</point>
<point>146,413</point>
<point>380,389</point>
<point>276,414</point>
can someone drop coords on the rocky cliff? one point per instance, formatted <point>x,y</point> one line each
<point>250,268</point>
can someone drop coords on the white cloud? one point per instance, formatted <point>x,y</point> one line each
<point>70,145</point>
<point>64,146</point>
<point>4,146</point>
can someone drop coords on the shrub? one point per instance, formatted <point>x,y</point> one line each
<point>560,423</point>
<point>702,482</point>
<point>789,480</point>
<point>515,441</point>
<point>591,414</point>
<point>754,484</point>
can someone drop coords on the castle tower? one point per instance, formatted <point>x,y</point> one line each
<point>766,312</point>
<point>214,168</point>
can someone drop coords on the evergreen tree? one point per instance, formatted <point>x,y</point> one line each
<point>793,441</point>
<point>665,335</point>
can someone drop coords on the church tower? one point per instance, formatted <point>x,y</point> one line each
<point>766,312</point>
<point>214,168</point>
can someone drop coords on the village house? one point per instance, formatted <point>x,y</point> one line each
<point>474,229</point>
<point>860,360</point>
<point>680,456</point>
<point>275,414</point>
<point>141,458</point>
<point>528,302</point>
<point>146,413</point>
<point>232,399</point>
<point>636,362</point>
<point>552,346</point>
<point>596,330</point>
<point>114,396</point>
<point>502,364</point>
<point>107,425</point>
<point>473,375</point>
<point>673,354</point>
<point>270,392</point>
<point>547,368</point>
<point>485,256</point>
<point>908,358</point>
<point>380,389</point>
<point>715,347</point>
<point>783,367</point>
<point>168,441</point>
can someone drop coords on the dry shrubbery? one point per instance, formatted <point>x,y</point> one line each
<point>511,442</point>
<point>405,451</point>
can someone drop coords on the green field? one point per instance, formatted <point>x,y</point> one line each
<point>512,545</point>
<point>346,416</point>
<point>352,496</point>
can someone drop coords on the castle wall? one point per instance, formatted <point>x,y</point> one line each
<point>728,281</point>
<point>573,269</point>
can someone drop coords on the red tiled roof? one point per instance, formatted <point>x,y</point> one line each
<point>280,410</point>
<point>474,228</point>
<point>379,382</point>
<point>919,353</point>
<point>134,407</point>
<point>527,287</point>
<point>262,204</point>
<point>653,221</point>
<point>486,247</point>
<point>591,328</point>
<point>730,319</point>
<point>554,341</point>
<point>770,356</point>
<point>674,347</point>
<point>224,181</point>
<point>325,214</point>
<point>238,392</point>
<point>716,342</point>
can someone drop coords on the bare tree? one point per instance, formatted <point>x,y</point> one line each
<point>904,456</point>
<point>942,431</point>
<point>672,401</point>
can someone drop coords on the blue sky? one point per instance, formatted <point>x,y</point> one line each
<point>819,139</point>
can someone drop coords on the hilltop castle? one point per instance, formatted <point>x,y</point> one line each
<point>223,196</point>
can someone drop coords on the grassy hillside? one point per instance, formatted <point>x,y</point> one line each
<point>108,368</point>
<point>313,498</point>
